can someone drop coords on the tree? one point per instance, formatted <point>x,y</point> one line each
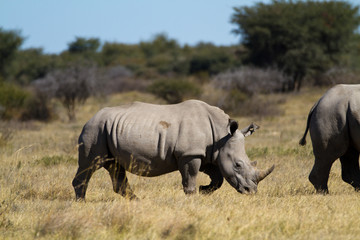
<point>81,50</point>
<point>10,41</point>
<point>83,45</point>
<point>160,44</point>
<point>72,86</point>
<point>128,55</point>
<point>29,65</point>
<point>210,59</point>
<point>298,37</point>
<point>162,55</point>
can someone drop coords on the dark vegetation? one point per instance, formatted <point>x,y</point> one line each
<point>285,45</point>
<point>299,37</point>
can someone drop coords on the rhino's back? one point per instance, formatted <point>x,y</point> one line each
<point>334,105</point>
<point>330,122</point>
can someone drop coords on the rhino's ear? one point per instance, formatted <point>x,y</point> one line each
<point>249,129</point>
<point>233,126</point>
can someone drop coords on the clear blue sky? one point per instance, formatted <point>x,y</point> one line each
<point>52,24</point>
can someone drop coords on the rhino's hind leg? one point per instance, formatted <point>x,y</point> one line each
<point>89,162</point>
<point>119,179</point>
<point>350,171</point>
<point>81,181</point>
<point>216,179</point>
<point>319,175</point>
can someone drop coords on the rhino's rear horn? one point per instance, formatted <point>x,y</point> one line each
<point>262,174</point>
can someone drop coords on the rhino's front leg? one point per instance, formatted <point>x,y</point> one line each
<point>215,176</point>
<point>189,169</point>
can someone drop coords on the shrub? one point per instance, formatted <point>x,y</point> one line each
<point>261,105</point>
<point>241,91</point>
<point>12,99</point>
<point>117,79</point>
<point>38,107</point>
<point>336,75</point>
<point>72,86</point>
<point>174,91</point>
<point>251,80</point>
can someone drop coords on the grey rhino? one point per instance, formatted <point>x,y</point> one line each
<point>151,140</point>
<point>334,123</point>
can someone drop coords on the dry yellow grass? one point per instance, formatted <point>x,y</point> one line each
<point>39,162</point>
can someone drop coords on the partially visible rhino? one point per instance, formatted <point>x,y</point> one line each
<point>334,123</point>
<point>151,140</point>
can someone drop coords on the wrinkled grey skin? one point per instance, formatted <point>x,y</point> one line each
<point>151,140</point>
<point>334,123</point>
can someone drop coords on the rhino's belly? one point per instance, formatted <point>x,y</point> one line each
<point>146,166</point>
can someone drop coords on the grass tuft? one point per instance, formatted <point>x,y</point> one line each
<point>49,161</point>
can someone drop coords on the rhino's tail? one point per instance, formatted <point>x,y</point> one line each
<point>302,141</point>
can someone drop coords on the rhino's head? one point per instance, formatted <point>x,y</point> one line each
<point>235,165</point>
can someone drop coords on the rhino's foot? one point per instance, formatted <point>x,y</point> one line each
<point>208,189</point>
<point>128,194</point>
<point>131,197</point>
<point>189,191</point>
<point>319,180</point>
<point>322,191</point>
<point>80,193</point>
<point>353,180</point>
<point>356,186</point>
<point>79,199</point>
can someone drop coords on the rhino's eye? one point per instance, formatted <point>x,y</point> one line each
<point>238,165</point>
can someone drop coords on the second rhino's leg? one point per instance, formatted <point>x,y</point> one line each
<point>189,169</point>
<point>215,176</point>
<point>350,171</point>
<point>119,179</point>
<point>319,175</point>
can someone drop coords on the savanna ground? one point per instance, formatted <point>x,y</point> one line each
<point>38,162</point>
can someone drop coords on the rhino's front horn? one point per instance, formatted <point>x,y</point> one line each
<point>262,174</point>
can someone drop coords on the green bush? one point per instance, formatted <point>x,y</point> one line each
<point>249,91</point>
<point>174,91</point>
<point>37,107</point>
<point>232,100</point>
<point>12,99</point>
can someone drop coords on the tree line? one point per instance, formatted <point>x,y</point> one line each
<point>298,42</point>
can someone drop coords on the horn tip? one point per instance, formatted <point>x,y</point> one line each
<point>265,173</point>
<point>272,168</point>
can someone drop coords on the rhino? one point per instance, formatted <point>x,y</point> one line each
<point>334,124</point>
<point>151,140</point>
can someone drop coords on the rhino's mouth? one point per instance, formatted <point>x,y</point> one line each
<point>246,189</point>
<point>241,185</point>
